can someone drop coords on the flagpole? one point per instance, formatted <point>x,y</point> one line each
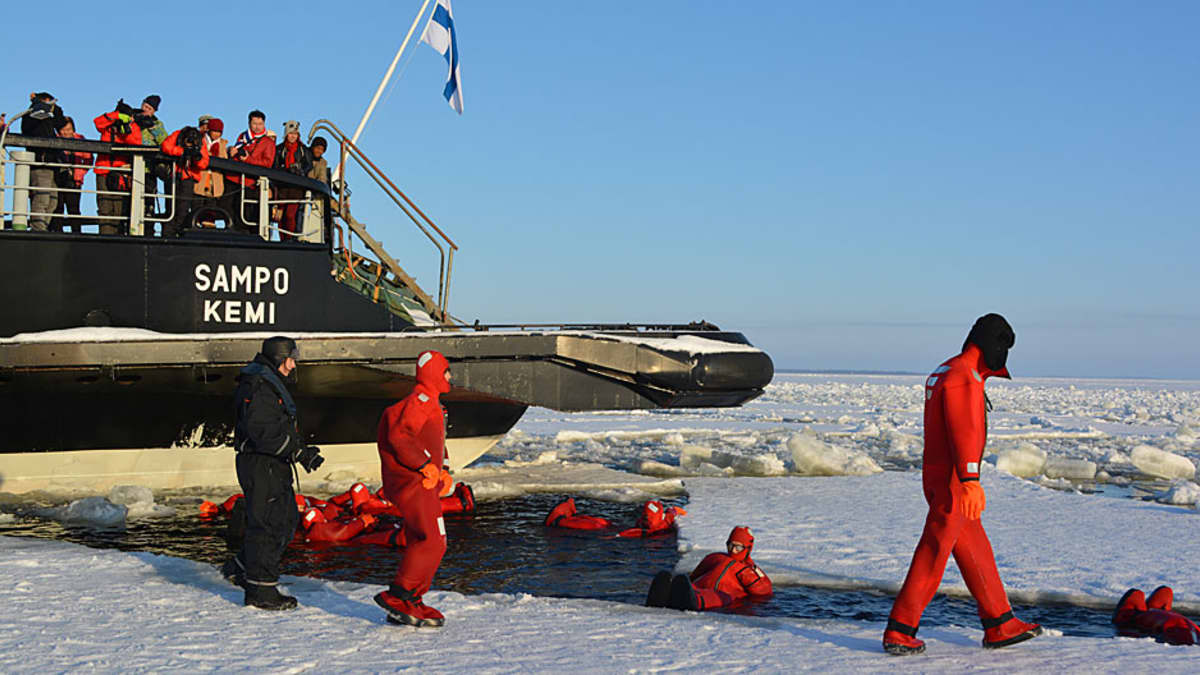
<point>383,84</point>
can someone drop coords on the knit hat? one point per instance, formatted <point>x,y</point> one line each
<point>215,124</point>
<point>290,126</point>
<point>279,348</point>
<point>154,100</point>
<point>203,119</point>
<point>320,140</point>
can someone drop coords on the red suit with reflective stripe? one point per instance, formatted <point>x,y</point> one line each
<point>1137,616</point>
<point>564,515</point>
<point>721,580</point>
<point>412,435</point>
<point>955,433</point>
<point>317,529</point>
<point>654,520</point>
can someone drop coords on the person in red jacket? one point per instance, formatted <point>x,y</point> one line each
<point>655,520</point>
<point>1139,616</point>
<point>115,127</point>
<point>411,440</point>
<point>564,515</point>
<point>187,144</point>
<point>955,434</point>
<point>318,529</point>
<point>720,580</point>
<point>254,146</point>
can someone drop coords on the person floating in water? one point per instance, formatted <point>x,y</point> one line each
<point>955,434</point>
<point>654,520</point>
<point>720,580</point>
<point>1139,616</point>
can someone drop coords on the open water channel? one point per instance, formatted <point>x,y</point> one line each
<point>503,547</point>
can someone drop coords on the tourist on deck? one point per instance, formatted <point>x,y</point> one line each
<point>202,123</point>
<point>187,144</point>
<point>211,185</point>
<point>955,434</point>
<point>115,127</point>
<point>42,122</point>
<point>266,436</point>
<point>294,157</point>
<point>412,454</point>
<point>153,135</point>
<point>70,179</point>
<point>253,146</point>
<point>320,166</point>
<point>720,580</point>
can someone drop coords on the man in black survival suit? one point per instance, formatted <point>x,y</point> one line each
<point>267,439</point>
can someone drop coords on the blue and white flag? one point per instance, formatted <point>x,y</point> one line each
<point>439,34</point>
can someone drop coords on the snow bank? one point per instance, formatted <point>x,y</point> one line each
<point>1026,460</point>
<point>88,512</point>
<point>1161,464</point>
<point>813,457</point>
<point>149,613</point>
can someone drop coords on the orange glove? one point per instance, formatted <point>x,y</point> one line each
<point>367,520</point>
<point>973,500</point>
<point>430,474</point>
<point>445,483</point>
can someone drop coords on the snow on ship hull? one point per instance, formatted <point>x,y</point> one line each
<point>131,388</point>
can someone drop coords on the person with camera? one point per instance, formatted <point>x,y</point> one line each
<point>188,144</point>
<point>42,122</point>
<point>294,157</point>
<point>115,127</point>
<point>254,146</point>
<point>266,436</point>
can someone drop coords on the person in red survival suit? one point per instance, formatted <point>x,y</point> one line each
<point>564,515</point>
<point>411,439</point>
<point>1139,616</point>
<point>654,520</point>
<point>209,509</point>
<point>317,529</point>
<point>720,580</point>
<point>955,434</point>
<point>462,500</point>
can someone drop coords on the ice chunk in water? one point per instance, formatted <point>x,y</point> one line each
<point>1161,464</point>
<point>1181,492</point>
<point>759,465</point>
<point>813,457</point>
<point>692,456</point>
<point>1071,469</point>
<point>90,511</point>
<point>1026,461</point>
<point>6,518</point>
<point>131,494</point>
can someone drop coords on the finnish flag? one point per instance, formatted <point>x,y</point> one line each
<point>439,34</point>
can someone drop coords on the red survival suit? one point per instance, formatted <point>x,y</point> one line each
<point>724,579</point>
<point>654,520</point>
<point>411,439</point>
<point>564,515</point>
<point>318,529</point>
<point>1137,616</point>
<point>955,434</point>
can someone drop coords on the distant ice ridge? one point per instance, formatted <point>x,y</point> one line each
<point>1081,431</point>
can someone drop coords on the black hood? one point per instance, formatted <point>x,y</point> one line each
<point>994,337</point>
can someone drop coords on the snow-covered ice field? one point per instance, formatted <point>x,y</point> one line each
<point>74,608</point>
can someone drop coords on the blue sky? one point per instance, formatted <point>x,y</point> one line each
<point>850,187</point>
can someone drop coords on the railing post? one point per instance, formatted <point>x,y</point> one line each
<point>3,182</point>
<point>137,191</point>
<point>264,208</point>
<point>312,227</point>
<point>21,190</point>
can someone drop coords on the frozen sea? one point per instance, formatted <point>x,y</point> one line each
<point>802,466</point>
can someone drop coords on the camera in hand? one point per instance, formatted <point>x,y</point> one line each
<point>310,458</point>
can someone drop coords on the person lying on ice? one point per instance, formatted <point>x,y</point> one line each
<point>654,520</point>
<point>1139,616</point>
<point>955,433</point>
<point>720,580</point>
<point>412,452</point>
<point>317,529</point>
<point>564,515</point>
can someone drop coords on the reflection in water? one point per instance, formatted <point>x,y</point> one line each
<point>504,548</point>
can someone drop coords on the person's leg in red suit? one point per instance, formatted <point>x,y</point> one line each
<point>425,533</point>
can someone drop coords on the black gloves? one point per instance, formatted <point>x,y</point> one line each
<point>124,108</point>
<point>192,154</point>
<point>310,458</point>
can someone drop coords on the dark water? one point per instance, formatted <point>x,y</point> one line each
<point>504,548</point>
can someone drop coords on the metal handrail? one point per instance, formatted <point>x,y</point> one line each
<point>446,253</point>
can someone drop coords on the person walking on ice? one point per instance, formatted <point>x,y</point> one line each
<point>955,435</point>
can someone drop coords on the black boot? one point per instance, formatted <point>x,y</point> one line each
<point>660,590</point>
<point>682,595</point>
<point>267,597</point>
<point>234,573</point>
